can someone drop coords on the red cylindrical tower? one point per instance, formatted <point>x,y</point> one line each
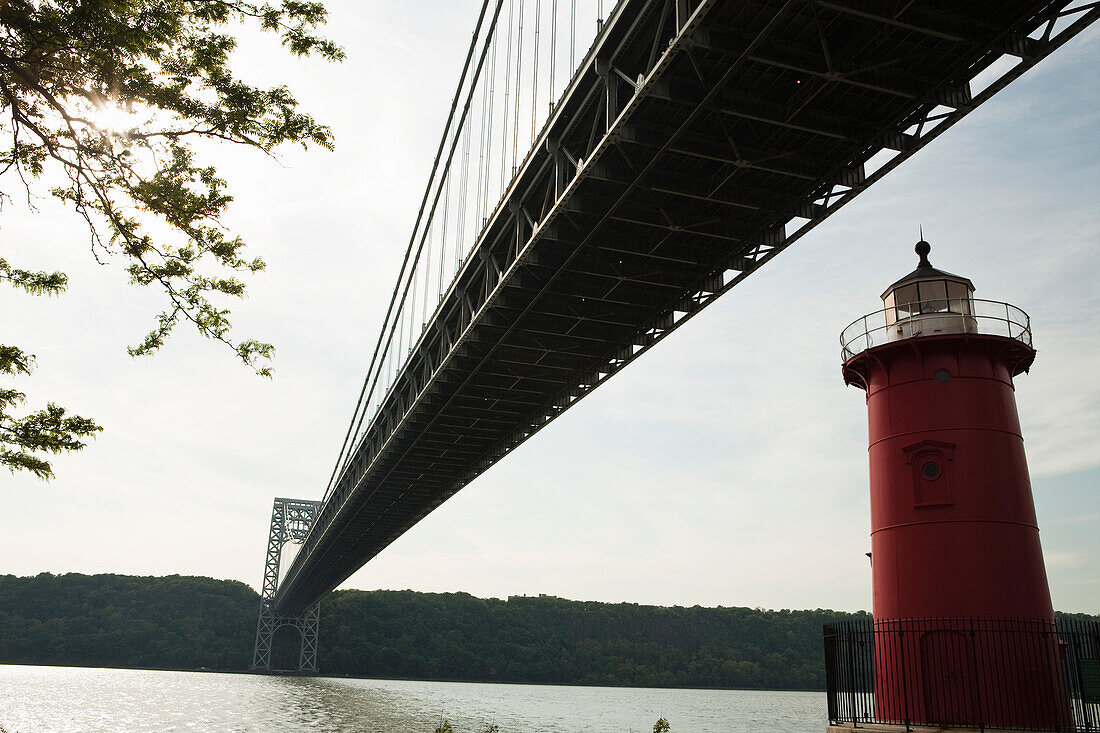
<point>964,627</point>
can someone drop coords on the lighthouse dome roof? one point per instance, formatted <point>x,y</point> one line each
<point>925,271</point>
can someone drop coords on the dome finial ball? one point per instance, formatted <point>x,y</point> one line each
<point>922,249</point>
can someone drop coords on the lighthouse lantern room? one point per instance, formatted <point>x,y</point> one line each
<point>928,301</point>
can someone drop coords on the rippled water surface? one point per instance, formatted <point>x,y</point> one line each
<point>55,699</point>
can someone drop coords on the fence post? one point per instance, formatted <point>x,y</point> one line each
<point>851,672</point>
<point>1073,666</point>
<point>830,673</point>
<point>974,671</point>
<point>904,681</point>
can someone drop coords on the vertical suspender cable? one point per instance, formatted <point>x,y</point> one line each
<point>395,353</point>
<point>463,191</point>
<point>417,270</point>
<point>519,82</point>
<point>572,35</point>
<point>485,153</point>
<point>400,325</point>
<point>446,216</point>
<point>535,70</point>
<point>435,200</point>
<point>410,316</point>
<point>553,50</point>
<point>507,92</point>
<point>410,321</point>
<point>414,321</point>
<point>442,260</point>
<point>393,298</point>
<point>418,274</point>
<point>463,202</point>
<point>488,146</point>
<point>389,369</point>
<point>461,185</point>
<point>481,149</point>
<point>442,245</point>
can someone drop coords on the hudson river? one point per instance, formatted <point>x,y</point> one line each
<point>76,700</point>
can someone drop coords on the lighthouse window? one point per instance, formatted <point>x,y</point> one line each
<point>931,476</point>
<point>907,300</point>
<point>933,296</point>
<point>959,298</point>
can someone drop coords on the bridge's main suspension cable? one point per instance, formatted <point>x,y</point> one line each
<point>497,141</point>
<point>360,404</point>
<point>454,138</point>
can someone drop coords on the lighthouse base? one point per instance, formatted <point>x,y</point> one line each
<point>960,674</point>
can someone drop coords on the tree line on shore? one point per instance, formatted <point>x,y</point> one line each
<point>179,622</point>
<point>557,641</point>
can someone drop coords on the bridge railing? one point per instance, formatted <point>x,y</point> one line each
<point>932,318</point>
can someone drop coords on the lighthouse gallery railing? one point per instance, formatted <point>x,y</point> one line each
<point>933,317</point>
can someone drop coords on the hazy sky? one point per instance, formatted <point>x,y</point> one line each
<point>726,467</point>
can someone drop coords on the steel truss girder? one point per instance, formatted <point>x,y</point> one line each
<point>585,175</point>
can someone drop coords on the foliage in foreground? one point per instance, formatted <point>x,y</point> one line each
<point>661,726</point>
<point>445,727</point>
<point>101,102</point>
<point>23,439</point>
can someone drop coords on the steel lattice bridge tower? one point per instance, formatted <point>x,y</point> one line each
<point>586,202</point>
<point>291,520</point>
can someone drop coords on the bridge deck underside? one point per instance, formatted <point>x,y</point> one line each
<point>696,142</point>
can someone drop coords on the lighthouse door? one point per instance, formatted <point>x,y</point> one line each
<point>950,690</point>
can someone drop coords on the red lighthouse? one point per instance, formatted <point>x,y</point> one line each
<point>963,626</point>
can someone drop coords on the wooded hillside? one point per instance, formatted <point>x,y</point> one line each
<point>191,622</point>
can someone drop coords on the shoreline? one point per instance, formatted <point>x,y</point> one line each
<point>409,679</point>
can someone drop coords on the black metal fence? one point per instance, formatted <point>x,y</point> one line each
<point>1004,674</point>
